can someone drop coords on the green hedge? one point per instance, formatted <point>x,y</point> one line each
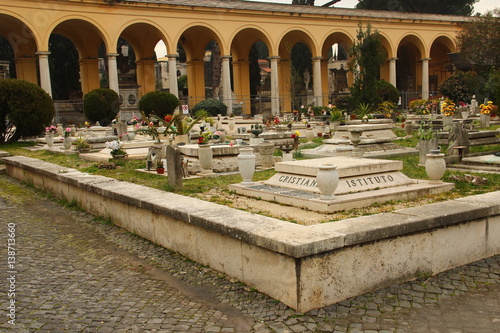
<point>25,110</point>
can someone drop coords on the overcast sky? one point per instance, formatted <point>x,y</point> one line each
<point>480,7</point>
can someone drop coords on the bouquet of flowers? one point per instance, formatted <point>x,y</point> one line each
<point>448,109</point>
<point>116,147</point>
<point>67,132</point>
<point>51,130</point>
<point>486,108</point>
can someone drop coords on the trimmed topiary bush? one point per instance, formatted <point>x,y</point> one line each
<point>388,92</point>
<point>159,103</point>
<point>212,105</point>
<point>459,87</point>
<point>25,110</point>
<point>101,105</point>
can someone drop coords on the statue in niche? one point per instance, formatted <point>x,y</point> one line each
<point>307,78</point>
<point>122,61</point>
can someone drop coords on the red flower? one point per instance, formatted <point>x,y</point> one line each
<point>168,118</point>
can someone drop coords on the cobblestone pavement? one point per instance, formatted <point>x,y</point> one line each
<point>77,273</point>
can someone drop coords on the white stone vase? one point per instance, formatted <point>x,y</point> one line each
<point>67,143</point>
<point>205,156</point>
<point>246,164</point>
<point>60,129</point>
<point>183,138</point>
<point>485,119</point>
<point>435,166</point>
<point>327,180</point>
<point>231,123</point>
<point>310,135</point>
<point>447,121</point>
<point>49,139</point>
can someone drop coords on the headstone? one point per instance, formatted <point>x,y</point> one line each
<point>174,167</point>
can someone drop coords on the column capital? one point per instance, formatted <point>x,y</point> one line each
<point>274,58</point>
<point>317,58</point>
<point>425,59</point>
<point>393,59</point>
<point>226,57</point>
<point>111,55</point>
<point>172,56</point>
<point>43,53</point>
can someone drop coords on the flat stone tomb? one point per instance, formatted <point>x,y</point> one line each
<point>355,174</point>
<point>362,182</point>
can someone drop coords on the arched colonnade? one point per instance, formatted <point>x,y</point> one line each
<point>416,45</point>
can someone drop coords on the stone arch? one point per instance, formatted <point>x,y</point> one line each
<point>410,51</point>
<point>194,40</point>
<point>25,42</point>
<point>143,36</point>
<point>440,65</point>
<point>289,39</point>
<point>335,72</point>
<point>241,44</point>
<point>87,36</point>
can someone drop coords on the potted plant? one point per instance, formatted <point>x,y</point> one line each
<point>67,141</point>
<point>81,145</point>
<point>159,167</point>
<point>49,135</point>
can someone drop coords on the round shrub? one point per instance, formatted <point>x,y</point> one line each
<point>459,87</point>
<point>25,110</point>
<point>101,105</point>
<point>159,103</point>
<point>388,92</point>
<point>212,105</point>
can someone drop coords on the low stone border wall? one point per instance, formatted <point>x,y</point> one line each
<point>305,267</point>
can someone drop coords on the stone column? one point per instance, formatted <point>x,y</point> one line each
<point>226,83</point>
<point>392,71</point>
<point>43,63</point>
<point>172,74</point>
<point>275,102</point>
<point>317,88</point>
<point>113,72</point>
<point>425,78</point>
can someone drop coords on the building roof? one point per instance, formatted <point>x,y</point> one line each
<point>314,10</point>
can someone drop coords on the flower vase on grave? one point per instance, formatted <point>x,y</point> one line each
<point>73,130</point>
<point>246,164</point>
<point>310,135</point>
<point>67,142</point>
<point>231,123</point>
<point>447,121</point>
<point>408,128</point>
<point>60,129</point>
<point>205,156</point>
<point>465,114</point>
<point>49,139</point>
<point>485,119</point>
<point>181,139</point>
<point>327,180</point>
<point>435,166</point>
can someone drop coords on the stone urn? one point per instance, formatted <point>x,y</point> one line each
<point>246,164</point>
<point>205,156</point>
<point>485,119</point>
<point>60,129</point>
<point>49,139</point>
<point>67,142</point>
<point>327,180</point>
<point>435,166</point>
